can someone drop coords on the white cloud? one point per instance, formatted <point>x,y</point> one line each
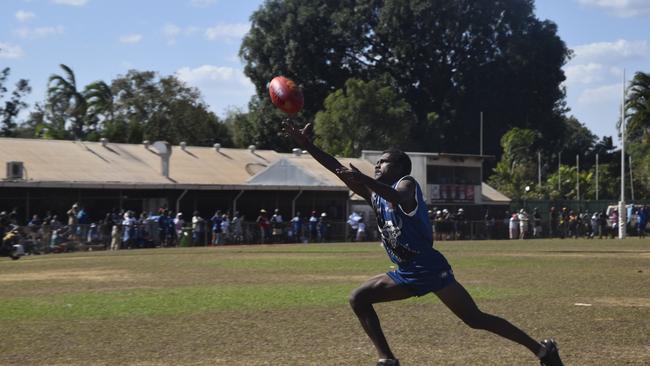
<point>71,2</point>
<point>611,52</point>
<point>214,76</point>
<point>10,51</point>
<point>172,32</point>
<point>227,31</point>
<point>583,73</point>
<point>39,32</point>
<point>621,8</point>
<point>24,16</point>
<point>606,94</point>
<point>202,3</point>
<point>131,38</point>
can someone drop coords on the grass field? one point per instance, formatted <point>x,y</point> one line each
<point>288,305</point>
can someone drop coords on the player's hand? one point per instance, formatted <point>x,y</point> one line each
<point>301,136</point>
<point>351,174</point>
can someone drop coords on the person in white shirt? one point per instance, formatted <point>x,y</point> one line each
<point>514,226</point>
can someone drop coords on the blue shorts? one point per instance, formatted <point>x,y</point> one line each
<point>423,282</point>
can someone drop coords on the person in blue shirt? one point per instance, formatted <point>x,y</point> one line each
<point>406,234</point>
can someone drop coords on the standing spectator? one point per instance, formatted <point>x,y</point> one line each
<point>595,227</point>
<point>353,224</point>
<point>361,230</point>
<point>128,229</point>
<point>225,229</point>
<point>585,220</point>
<point>107,230</point>
<point>116,237</point>
<point>489,225</point>
<point>296,228</point>
<point>198,229</point>
<point>506,225</point>
<point>514,226</point>
<point>554,222</point>
<point>264,226</point>
<point>178,224</point>
<point>277,225</point>
<point>461,224</point>
<point>313,227</point>
<point>602,224</point>
<point>82,221</point>
<point>55,224</point>
<point>572,224</point>
<point>642,221</point>
<point>322,228</point>
<point>237,229</point>
<point>217,233</point>
<point>161,227</point>
<point>613,218</point>
<point>170,237</point>
<point>537,224</point>
<point>523,224</point>
<point>72,217</point>
<point>564,223</point>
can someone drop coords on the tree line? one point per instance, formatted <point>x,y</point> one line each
<point>414,74</point>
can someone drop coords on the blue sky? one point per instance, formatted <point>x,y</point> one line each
<point>198,40</point>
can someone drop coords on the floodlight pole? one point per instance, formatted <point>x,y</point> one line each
<point>559,174</point>
<point>578,178</point>
<point>539,169</point>
<point>596,176</point>
<point>622,211</point>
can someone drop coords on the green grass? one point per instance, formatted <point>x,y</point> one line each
<point>263,305</point>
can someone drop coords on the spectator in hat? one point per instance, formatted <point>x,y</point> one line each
<point>322,228</point>
<point>313,227</point>
<point>264,225</point>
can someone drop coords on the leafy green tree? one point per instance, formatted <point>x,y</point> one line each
<point>517,167</point>
<point>450,58</point>
<point>10,109</point>
<point>146,106</point>
<point>65,97</point>
<point>638,108</point>
<point>363,115</point>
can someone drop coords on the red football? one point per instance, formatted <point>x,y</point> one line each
<point>286,94</point>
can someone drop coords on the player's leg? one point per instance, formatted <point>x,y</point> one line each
<point>380,288</point>
<point>460,302</point>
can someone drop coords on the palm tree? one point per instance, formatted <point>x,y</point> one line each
<point>63,90</point>
<point>638,108</point>
<point>99,98</point>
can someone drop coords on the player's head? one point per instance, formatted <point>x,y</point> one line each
<point>392,165</point>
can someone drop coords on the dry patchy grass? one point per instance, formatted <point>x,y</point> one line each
<point>287,304</point>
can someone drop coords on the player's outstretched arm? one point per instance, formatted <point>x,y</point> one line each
<point>303,137</point>
<point>403,194</point>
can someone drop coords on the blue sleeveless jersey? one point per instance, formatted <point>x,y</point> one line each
<point>408,236</point>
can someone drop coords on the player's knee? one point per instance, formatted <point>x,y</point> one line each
<point>475,320</point>
<point>357,300</point>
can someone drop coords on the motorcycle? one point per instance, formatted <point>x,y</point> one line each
<point>10,246</point>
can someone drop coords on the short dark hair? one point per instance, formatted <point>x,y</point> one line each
<point>400,158</point>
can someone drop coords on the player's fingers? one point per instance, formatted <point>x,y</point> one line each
<point>354,168</point>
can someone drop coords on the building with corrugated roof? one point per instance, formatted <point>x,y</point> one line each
<point>44,175</point>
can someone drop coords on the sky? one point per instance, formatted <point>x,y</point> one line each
<point>198,41</point>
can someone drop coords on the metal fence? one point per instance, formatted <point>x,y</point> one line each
<point>49,239</point>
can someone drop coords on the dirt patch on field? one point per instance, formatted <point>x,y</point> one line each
<point>67,275</point>
<point>336,278</point>
<point>580,254</point>
<point>623,301</point>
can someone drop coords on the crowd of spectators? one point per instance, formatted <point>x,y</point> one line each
<point>126,229</point>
